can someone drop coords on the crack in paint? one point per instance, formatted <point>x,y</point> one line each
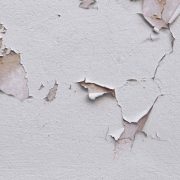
<point>160,14</point>
<point>131,129</point>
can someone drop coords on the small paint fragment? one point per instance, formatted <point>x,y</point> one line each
<point>13,79</point>
<point>93,96</point>
<point>52,93</point>
<point>136,98</point>
<point>95,90</point>
<point>87,4</point>
<point>116,134</point>
<point>131,129</point>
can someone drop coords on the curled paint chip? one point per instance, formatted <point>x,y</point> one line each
<point>136,99</point>
<point>13,79</point>
<point>96,90</point>
<point>12,75</point>
<point>87,4</point>
<point>116,134</point>
<point>52,93</point>
<point>161,13</point>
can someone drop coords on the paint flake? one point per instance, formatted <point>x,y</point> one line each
<point>87,4</point>
<point>132,128</point>
<point>95,90</point>
<point>12,75</point>
<point>116,134</point>
<point>136,99</point>
<point>52,93</point>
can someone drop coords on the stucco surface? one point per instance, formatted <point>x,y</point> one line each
<point>66,138</point>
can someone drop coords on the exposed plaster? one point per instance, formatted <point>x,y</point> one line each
<point>13,79</point>
<point>96,90</point>
<point>87,4</point>
<point>116,134</point>
<point>132,128</point>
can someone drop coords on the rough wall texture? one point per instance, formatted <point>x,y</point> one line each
<point>67,138</point>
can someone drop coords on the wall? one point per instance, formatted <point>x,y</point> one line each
<point>67,138</point>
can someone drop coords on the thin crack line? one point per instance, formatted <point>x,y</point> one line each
<point>157,67</point>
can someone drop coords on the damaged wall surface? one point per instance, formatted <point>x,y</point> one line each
<point>90,89</point>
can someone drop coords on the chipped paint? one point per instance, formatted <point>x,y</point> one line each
<point>52,93</point>
<point>96,90</point>
<point>142,92</point>
<point>161,13</point>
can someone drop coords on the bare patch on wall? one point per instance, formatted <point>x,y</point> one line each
<point>13,79</point>
<point>52,93</point>
<point>95,90</point>
<point>132,128</point>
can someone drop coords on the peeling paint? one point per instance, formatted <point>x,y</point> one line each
<point>132,89</point>
<point>13,79</point>
<point>116,134</point>
<point>132,128</point>
<point>142,92</point>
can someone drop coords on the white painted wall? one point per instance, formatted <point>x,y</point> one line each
<point>66,139</point>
